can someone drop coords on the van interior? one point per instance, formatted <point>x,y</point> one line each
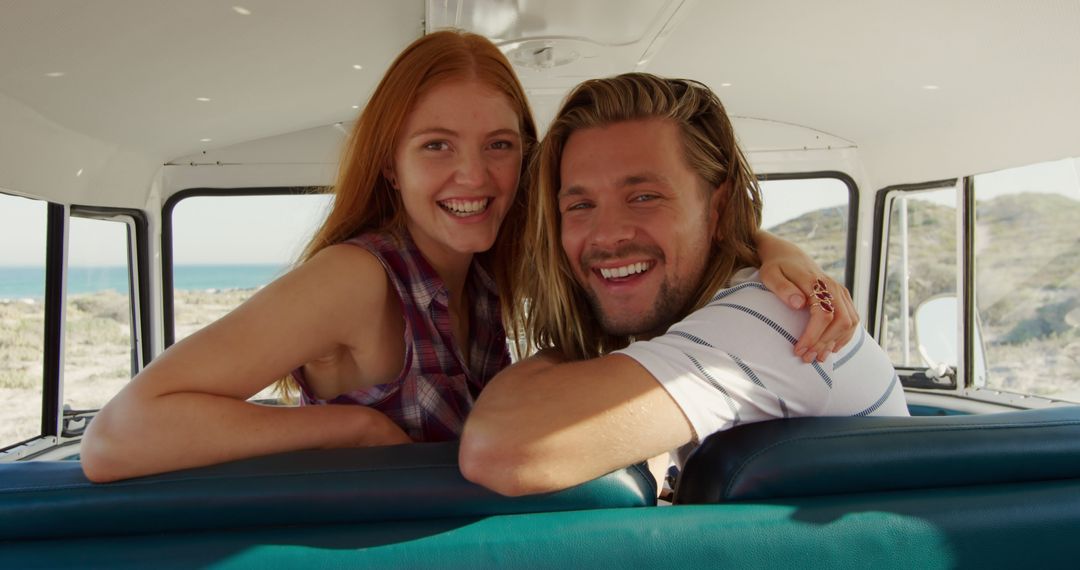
<point>927,154</point>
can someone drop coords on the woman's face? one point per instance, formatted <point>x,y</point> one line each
<point>456,165</point>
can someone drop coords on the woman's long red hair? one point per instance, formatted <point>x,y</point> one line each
<point>364,199</point>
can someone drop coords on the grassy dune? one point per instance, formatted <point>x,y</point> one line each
<point>97,359</point>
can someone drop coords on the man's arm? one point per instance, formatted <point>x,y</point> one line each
<point>541,425</point>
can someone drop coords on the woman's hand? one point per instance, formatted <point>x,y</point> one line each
<point>375,428</point>
<point>791,275</point>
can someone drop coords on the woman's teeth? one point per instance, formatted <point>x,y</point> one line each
<point>465,207</point>
<point>626,270</point>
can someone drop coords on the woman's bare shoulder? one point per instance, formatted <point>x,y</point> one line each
<point>348,277</point>
<point>367,312</point>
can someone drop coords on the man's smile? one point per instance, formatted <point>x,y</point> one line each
<point>624,271</point>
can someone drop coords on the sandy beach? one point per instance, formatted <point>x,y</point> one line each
<point>97,360</point>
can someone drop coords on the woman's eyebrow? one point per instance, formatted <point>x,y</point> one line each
<point>443,131</point>
<point>426,131</point>
<point>504,132</point>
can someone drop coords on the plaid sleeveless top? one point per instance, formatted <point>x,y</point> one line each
<point>435,390</point>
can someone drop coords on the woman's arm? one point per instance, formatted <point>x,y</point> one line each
<point>189,408</point>
<point>790,274</point>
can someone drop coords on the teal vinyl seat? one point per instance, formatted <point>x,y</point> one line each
<point>807,457</point>
<point>341,486</point>
<point>848,494</point>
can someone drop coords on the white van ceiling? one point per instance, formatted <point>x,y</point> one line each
<point>134,70</point>
<point>923,88</point>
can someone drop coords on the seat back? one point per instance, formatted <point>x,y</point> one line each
<point>405,482</point>
<point>824,456</point>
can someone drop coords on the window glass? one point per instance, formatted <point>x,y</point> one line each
<point>920,265</point>
<point>22,316</point>
<point>226,247</point>
<point>97,320</point>
<point>1027,270</point>
<point>813,213</point>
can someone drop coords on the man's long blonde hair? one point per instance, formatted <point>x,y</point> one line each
<point>549,305</point>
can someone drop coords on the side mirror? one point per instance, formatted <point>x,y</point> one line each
<point>937,336</point>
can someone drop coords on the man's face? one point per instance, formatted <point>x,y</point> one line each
<point>637,223</point>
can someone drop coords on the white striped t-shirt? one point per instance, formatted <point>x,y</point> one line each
<point>732,362</point>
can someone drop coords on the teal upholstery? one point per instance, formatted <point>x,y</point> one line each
<point>923,410</point>
<point>1007,526</point>
<point>822,456</point>
<point>418,481</point>
<point>407,507</point>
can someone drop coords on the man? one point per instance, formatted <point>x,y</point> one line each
<point>654,329</point>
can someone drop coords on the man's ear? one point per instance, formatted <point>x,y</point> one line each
<point>389,174</point>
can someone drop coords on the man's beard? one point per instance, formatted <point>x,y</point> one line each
<point>669,306</point>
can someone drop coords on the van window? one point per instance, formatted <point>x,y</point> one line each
<point>813,213</point>
<point>23,227</point>
<point>920,264</point>
<point>1027,273</point>
<point>225,247</point>
<point>98,342</point>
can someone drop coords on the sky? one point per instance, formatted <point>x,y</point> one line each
<point>207,230</point>
<point>1055,177</point>
<point>274,229</point>
<point>245,229</point>
<point>788,199</point>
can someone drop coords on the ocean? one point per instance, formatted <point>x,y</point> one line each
<point>20,282</point>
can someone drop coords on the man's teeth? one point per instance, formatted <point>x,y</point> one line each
<point>616,272</point>
<point>465,207</point>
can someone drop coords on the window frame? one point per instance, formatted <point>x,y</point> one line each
<point>52,387</point>
<point>138,259</point>
<point>915,377</point>
<point>910,376</point>
<point>54,420</point>
<point>167,297</point>
<point>850,248</point>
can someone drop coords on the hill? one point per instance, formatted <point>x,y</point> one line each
<point>1027,271</point>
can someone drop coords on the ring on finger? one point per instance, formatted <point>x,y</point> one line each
<point>823,299</point>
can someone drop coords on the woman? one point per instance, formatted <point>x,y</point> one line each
<point>396,305</point>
